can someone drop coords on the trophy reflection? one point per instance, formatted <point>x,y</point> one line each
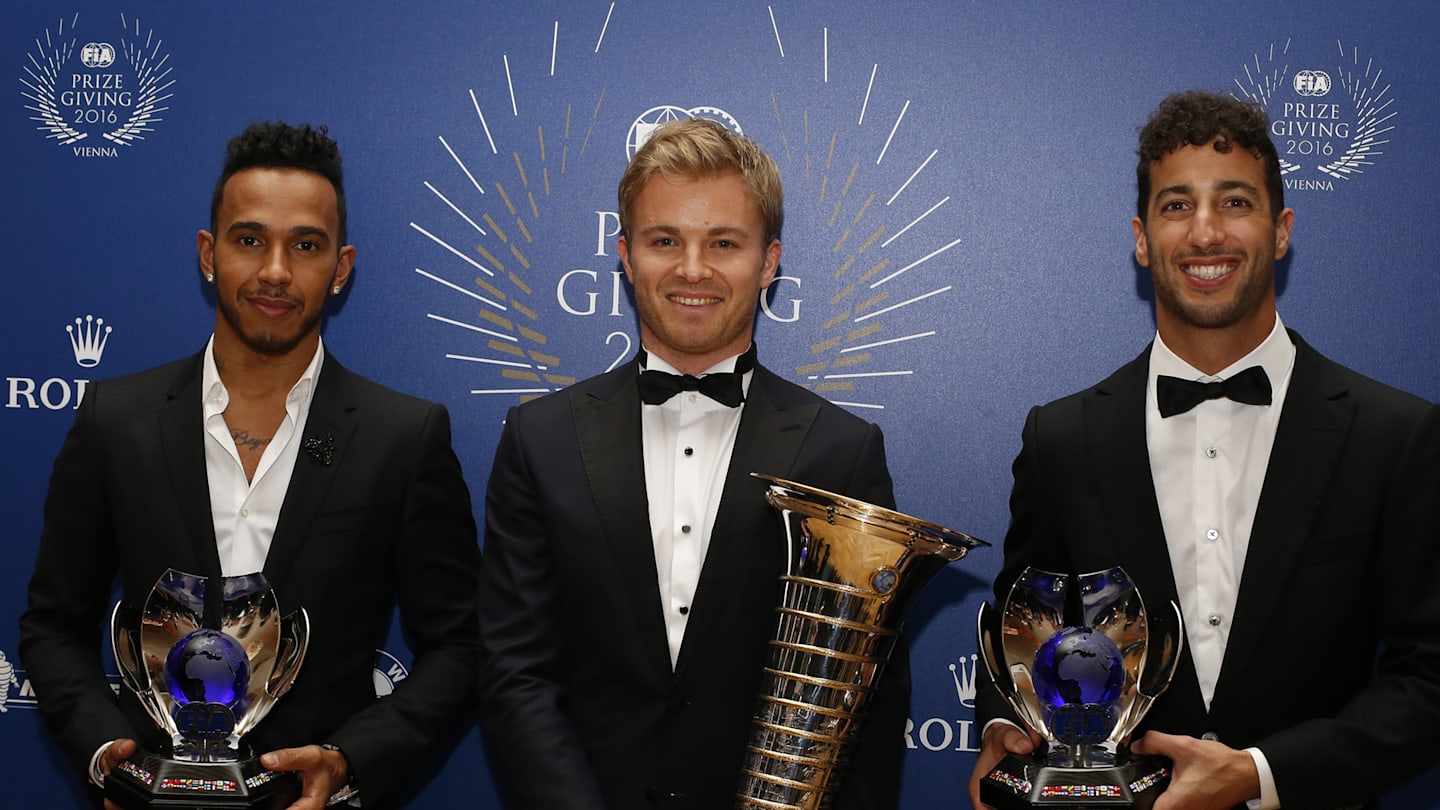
<point>205,681</point>
<point>1080,661</point>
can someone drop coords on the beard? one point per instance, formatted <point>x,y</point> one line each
<point>1251,288</point>
<point>269,341</point>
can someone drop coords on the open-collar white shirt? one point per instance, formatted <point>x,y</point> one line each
<point>246,511</point>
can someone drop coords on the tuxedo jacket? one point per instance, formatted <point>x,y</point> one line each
<point>382,520</point>
<point>579,701</point>
<point>1333,662</point>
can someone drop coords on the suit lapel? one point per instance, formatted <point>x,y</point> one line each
<point>182,438</point>
<point>1115,432</point>
<point>1312,431</point>
<point>607,424</point>
<point>330,420</point>
<point>768,441</point>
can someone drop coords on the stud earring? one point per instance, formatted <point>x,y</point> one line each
<point>335,290</point>
<point>210,278</point>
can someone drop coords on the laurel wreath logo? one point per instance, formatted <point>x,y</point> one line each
<point>1369,100</point>
<point>152,75</point>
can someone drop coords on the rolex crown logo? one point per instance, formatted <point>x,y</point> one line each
<point>87,339</point>
<point>964,676</point>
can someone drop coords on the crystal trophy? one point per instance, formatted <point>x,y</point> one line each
<point>205,682</point>
<point>1080,661</point>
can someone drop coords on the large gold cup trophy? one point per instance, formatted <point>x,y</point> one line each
<point>854,571</point>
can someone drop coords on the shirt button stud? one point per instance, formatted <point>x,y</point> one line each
<point>1211,452</point>
<point>1214,620</point>
<point>1212,534</point>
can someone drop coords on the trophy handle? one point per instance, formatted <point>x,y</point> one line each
<point>251,616</point>
<point>992,652</point>
<point>294,634</point>
<point>125,644</point>
<point>1161,660</point>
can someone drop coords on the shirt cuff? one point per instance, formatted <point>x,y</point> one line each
<point>1000,720</point>
<point>96,777</point>
<point>1269,796</point>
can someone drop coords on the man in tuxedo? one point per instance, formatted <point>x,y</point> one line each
<point>1286,503</point>
<point>262,453</point>
<point>632,565</point>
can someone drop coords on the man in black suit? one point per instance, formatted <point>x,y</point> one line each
<point>632,566</point>
<point>1293,512</point>
<point>263,453</point>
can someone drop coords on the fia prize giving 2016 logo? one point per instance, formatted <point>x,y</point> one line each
<point>1332,112</point>
<point>97,88</point>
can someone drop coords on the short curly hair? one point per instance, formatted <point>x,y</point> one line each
<point>1199,118</point>
<point>266,145</point>
<point>699,147</point>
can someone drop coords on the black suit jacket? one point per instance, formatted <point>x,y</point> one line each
<point>579,702</point>
<point>1342,565</point>
<point>386,523</point>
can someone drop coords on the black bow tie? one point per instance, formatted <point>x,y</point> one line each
<point>1175,395</point>
<point>725,387</point>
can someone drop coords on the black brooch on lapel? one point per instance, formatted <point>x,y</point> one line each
<point>320,451</point>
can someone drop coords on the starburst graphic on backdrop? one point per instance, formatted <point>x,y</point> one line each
<point>492,241</point>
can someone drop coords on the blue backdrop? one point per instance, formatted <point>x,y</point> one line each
<point>957,244</point>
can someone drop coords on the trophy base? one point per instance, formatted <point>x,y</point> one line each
<point>148,780</point>
<point>1020,783</point>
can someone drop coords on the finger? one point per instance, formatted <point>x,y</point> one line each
<point>1016,741</point>
<point>1152,742</point>
<point>119,750</point>
<point>289,759</point>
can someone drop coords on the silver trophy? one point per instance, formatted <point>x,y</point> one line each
<point>854,571</point>
<point>1080,661</point>
<point>206,681</point>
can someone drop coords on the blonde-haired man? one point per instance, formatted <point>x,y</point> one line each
<point>631,568</point>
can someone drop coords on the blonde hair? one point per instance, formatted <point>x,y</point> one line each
<point>699,147</point>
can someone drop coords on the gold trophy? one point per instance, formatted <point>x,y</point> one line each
<point>854,571</point>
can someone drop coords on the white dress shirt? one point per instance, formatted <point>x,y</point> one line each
<point>246,511</point>
<point>687,443</point>
<point>1208,465</point>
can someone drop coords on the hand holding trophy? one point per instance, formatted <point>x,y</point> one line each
<point>206,681</point>
<point>1080,661</point>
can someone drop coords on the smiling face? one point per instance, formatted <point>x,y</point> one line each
<point>275,255</point>
<point>696,254</point>
<point>1211,239</point>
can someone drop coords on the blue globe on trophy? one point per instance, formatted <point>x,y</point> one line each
<point>1078,676</point>
<point>1078,665</point>
<point>207,666</point>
